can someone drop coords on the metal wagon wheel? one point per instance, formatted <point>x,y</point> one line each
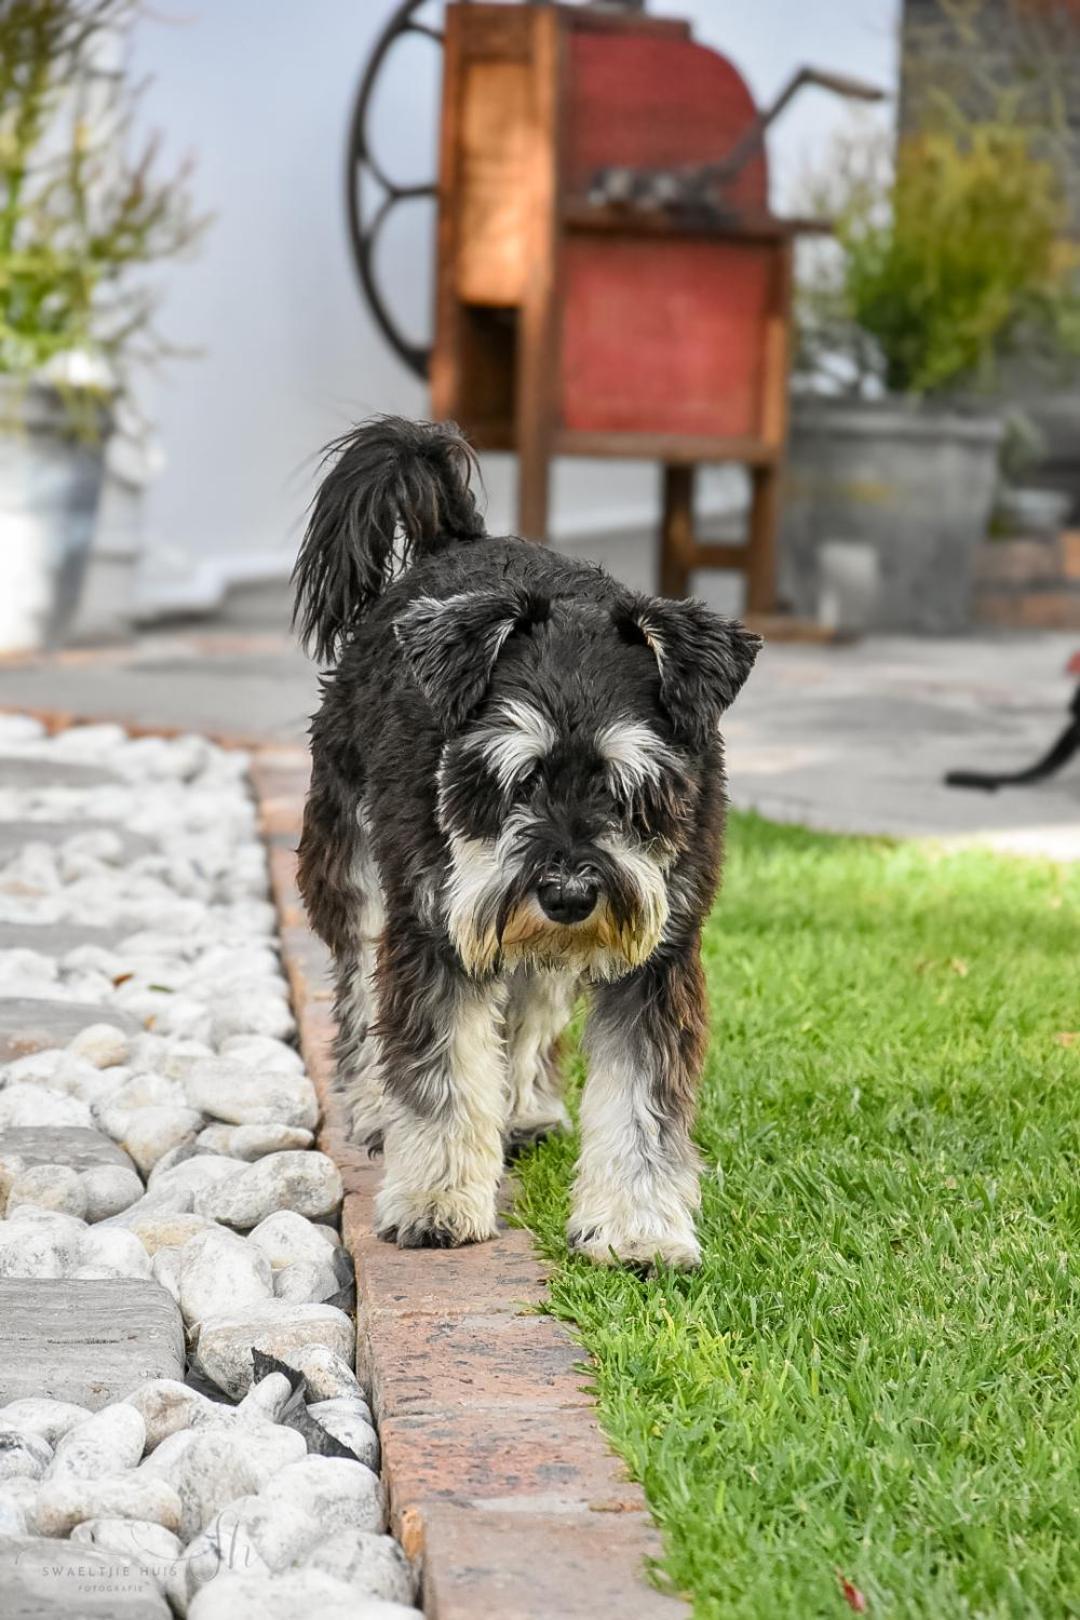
<point>362,168</point>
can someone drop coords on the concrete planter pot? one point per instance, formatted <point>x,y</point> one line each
<point>911,485</point>
<point>50,485</point>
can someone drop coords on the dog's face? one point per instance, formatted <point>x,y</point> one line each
<point>576,742</point>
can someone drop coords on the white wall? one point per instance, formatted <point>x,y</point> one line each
<point>259,93</point>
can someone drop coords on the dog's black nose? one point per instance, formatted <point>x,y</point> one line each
<point>568,899</point>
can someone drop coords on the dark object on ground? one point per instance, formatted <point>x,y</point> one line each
<point>1050,763</point>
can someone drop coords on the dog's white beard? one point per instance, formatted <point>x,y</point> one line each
<point>483,869</point>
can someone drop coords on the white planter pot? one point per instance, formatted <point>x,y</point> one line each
<point>50,485</point>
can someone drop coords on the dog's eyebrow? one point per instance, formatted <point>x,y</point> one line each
<point>512,749</point>
<point>633,751</point>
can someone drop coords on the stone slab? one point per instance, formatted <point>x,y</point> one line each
<point>28,1024</point>
<point>74,1145</point>
<point>507,1458</point>
<point>83,1341</point>
<point>14,834</point>
<point>43,1579</point>
<point>436,1364</point>
<point>525,1566</point>
<point>22,773</point>
<point>505,1276</point>
<point>56,939</point>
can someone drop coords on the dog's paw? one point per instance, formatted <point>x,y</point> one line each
<point>439,1221</point>
<point>642,1251</point>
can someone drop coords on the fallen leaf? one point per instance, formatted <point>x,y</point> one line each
<point>122,978</point>
<point>1068,1037</point>
<point>854,1599</point>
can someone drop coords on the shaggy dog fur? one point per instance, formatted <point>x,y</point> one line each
<point>517,794</point>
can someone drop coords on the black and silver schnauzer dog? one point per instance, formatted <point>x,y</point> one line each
<point>517,793</point>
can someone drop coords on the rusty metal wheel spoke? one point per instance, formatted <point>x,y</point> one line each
<point>363,166</point>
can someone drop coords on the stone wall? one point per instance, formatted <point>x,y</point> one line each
<point>981,55</point>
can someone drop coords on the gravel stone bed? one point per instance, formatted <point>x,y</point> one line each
<point>171,1141</point>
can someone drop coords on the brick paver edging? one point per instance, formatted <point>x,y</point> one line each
<point>499,1480</point>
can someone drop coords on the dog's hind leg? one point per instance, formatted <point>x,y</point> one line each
<point>637,1183</point>
<point>343,894</point>
<point>444,1078</point>
<point>538,1009</point>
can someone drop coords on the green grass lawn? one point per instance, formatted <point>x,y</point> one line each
<point>875,1376</point>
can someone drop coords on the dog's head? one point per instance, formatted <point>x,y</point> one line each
<point>577,739</point>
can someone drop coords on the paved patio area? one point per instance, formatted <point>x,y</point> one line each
<point>855,739</point>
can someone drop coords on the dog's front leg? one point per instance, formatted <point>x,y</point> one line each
<point>637,1183</point>
<point>444,1081</point>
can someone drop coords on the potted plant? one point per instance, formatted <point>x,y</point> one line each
<point>943,264</point>
<point>80,216</point>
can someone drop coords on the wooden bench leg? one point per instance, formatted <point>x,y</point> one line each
<point>761,540</point>
<point>677,530</point>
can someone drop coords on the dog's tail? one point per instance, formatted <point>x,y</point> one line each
<point>397,491</point>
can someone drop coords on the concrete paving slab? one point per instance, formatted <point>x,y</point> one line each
<point>44,1579</point>
<point>56,939</point>
<point>77,1146</point>
<point>31,1025</point>
<point>86,1341</point>
<point>22,773</point>
<point>15,834</point>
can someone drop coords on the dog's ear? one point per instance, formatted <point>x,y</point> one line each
<point>703,659</point>
<point>451,646</point>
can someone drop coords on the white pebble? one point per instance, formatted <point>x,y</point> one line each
<point>305,1282</point>
<point>22,1456</point>
<point>286,1237</point>
<point>280,1330</point>
<point>12,1515</point>
<point>192,1174</point>
<point>308,1183</point>
<point>149,1544</point>
<point>153,1131</point>
<point>221,1274</point>
<point>63,1503</point>
<point>39,1243</point>
<point>108,1442</point>
<point>294,1594</point>
<point>164,1229</point>
<point>374,1565</point>
<point>348,1419</point>
<point>327,1374</point>
<point>103,1045</point>
<point>49,1186</point>
<point>25,1104</point>
<point>339,1493</point>
<point>115,1248</point>
<point>165,1269</point>
<point>240,1096</point>
<point>253,1141</point>
<point>166,1406</point>
<point>222,1464</point>
<point>109,1189</point>
<point>251,1012</point>
<point>260,1052</point>
<point>38,1415</point>
<point>267,1399</point>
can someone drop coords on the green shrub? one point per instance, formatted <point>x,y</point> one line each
<point>78,213</point>
<point>945,265</point>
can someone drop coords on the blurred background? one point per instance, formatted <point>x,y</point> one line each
<point>804,343</point>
